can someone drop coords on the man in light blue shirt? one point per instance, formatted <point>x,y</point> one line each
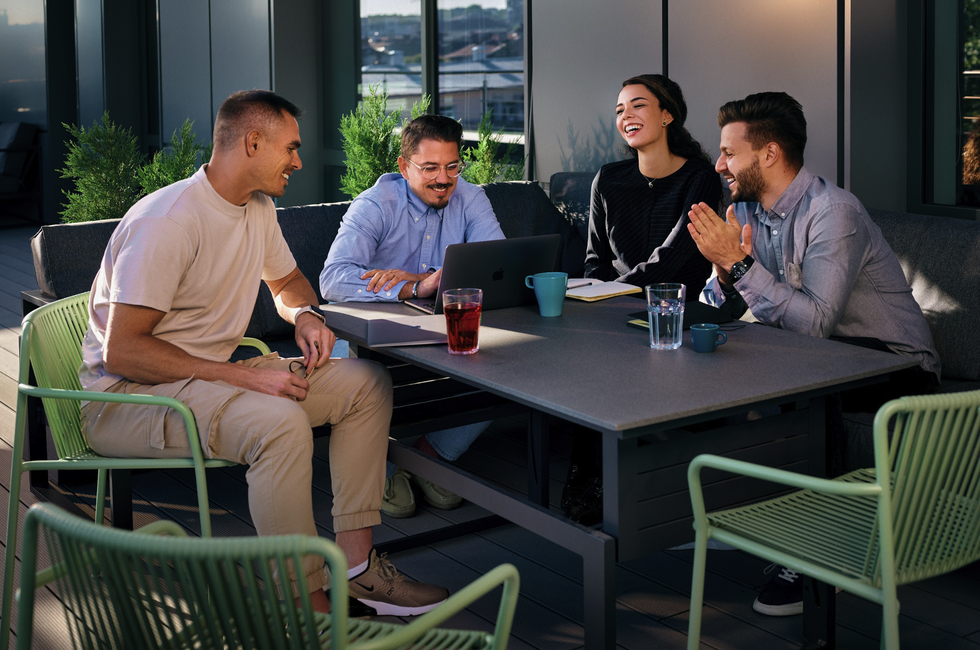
<point>804,255</point>
<point>391,246</point>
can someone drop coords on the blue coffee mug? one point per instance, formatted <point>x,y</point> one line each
<point>706,337</point>
<point>549,289</point>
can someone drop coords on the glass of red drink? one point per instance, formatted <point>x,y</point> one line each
<point>462,308</point>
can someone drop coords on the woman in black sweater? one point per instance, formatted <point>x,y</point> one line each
<point>638,231</point>
<point>638,218</point>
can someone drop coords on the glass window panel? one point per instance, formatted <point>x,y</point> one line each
<point>391,51</point>
<point>481,62</point>
<point>22,75</point>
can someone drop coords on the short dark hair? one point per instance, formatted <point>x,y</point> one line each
<point>680,142</point>
<point>245,110</point>
<point>430,127</point>
<point>770,117</point>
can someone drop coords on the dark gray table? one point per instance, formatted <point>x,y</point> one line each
<point>655,409</point>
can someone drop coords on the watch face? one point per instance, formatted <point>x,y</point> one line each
<point>738,270</point>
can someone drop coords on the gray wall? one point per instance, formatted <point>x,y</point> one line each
<point>583,50</point>
<point>717,55</point>
<point>878,115</point>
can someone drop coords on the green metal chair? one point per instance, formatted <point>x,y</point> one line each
<point>914,515</point>
<point>51,344</point>
<point>123,589</point>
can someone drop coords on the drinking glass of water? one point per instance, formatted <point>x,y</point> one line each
<point>665,311</point>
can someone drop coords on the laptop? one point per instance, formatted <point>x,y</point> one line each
<point>498,267</point>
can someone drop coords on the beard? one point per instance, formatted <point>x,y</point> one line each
<point>749,185</point>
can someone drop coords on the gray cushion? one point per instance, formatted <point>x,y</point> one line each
<point>67,256</point>
<point>524,210</point>
<point>308,230</point>
<point>571,192</point>
<point>941,260</point>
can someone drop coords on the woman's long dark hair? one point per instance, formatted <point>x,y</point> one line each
<point>679,140</point>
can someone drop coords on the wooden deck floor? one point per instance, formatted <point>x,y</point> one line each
<point>652,593</point>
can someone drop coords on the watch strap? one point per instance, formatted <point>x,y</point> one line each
<point>309,309</point>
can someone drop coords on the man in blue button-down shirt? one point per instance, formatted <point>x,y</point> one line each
<point>393,237</point>
<point>390,247</point>
<point>803,255</point>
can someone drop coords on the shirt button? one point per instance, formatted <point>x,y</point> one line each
<point>358,291</point>
<point>427,237</point>
<point>782,214</point>
<point>780,272</point>
<point>424,266</point>
<point>388,293</point>
<point>775,232</point>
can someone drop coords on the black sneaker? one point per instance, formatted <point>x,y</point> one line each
<point>783,595</point>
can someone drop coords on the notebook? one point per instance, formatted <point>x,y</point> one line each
<point>498,267</point>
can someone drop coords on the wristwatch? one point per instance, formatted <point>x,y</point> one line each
<point>415,289</point>
<point>309,309</point>
<point>739,269</point>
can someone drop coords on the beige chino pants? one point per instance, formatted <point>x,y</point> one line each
<point>273,436</point>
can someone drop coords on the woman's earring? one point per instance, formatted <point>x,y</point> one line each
<point>665,122</point>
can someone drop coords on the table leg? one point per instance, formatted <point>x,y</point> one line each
<point>538,451</point>
<point>819,599</point>
<point>121,498</point>
<point>599,585</point>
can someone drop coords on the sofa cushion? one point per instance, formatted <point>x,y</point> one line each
<point>524,210</point>
<point>941,260</point>
<point>67,256</point>
<point>308,230</point>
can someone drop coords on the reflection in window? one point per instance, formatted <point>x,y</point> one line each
<point>481,62</point>
<point>391,51</point>
<point>970,109</point>
<point>22,76</point>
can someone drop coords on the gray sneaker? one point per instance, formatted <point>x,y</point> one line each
<point>398,500</point>
<point>387,591</point>
<point>436,496</point>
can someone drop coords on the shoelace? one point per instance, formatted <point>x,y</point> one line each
<point>786,573</point>
<point>386,569</point>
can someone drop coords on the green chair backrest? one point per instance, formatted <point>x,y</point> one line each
<point>127,590</point>
<point>52,336</point>
<point>932,463</point>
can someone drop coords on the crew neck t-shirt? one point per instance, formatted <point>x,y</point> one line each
<point>186,251</point>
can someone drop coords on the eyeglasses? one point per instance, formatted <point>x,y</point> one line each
<point>298,367</point>
<point>431,172</point>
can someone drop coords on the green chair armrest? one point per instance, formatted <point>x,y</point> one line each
<point>781,476</point>
<point>258,344</point>
<point>190,423</point>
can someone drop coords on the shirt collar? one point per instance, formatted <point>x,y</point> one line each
<point>416,208</point>
<point>792,195</point>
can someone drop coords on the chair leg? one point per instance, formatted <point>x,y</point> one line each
<point>10,555</point>
<point>889,620</point>
<point>697,590</point>
<point>100,490</point>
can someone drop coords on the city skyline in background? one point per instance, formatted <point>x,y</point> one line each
<point>413,7</point>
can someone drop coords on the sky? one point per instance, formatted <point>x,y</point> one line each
<point>22,12</point>
<point>411,7</point>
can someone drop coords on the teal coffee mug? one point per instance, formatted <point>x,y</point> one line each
<point>706,337</point>
<point>549,289</point>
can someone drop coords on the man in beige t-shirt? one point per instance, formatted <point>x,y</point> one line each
<point>170,304</point>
